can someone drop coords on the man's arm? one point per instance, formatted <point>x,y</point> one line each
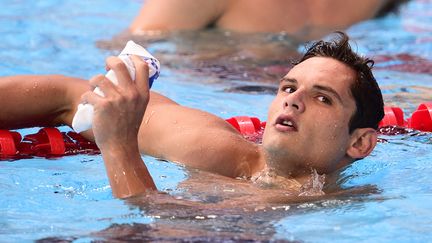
<point>166,15</point>
<point>39,100</point>
<point>195,138</point>
<point>116,122</point>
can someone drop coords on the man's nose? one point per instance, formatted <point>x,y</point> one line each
<point>295,101</point>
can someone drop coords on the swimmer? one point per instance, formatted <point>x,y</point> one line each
<point>323,117</point>
<point>303,20</point>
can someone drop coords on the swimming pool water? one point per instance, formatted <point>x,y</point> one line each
<point>69,198</point>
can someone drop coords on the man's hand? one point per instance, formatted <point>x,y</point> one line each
<point>118,115</point>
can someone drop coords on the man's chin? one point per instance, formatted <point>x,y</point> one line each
<point>277,143</point>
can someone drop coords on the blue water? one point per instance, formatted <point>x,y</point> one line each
<point>69,198</point>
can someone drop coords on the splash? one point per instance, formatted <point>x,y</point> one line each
<point>314,186</point>
<point>270,179</point>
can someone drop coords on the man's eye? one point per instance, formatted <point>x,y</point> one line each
<point>324,99</point>
<point>289,89</point>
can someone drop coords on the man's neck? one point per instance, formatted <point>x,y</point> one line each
<point>269,171</point>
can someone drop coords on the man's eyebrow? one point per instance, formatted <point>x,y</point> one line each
<point>329,90</point>
<point>289,80</point>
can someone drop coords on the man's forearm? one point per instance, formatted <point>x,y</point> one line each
<point>39,100</point>
<point>127,173</point>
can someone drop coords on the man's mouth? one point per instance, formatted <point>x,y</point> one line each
<point>285,123</point>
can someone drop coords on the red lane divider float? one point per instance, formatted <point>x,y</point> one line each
<point>7,142</point>
<point>421,119</point>
<point>47,142</point>
<point>246,125</point>
<point>393,116</point>
<point>250,127</point>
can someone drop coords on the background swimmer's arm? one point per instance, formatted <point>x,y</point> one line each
<point>166,15</point>
<point>39,100</point>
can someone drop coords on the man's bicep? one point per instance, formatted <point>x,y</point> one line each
<point>192,137</point>
<point>166,15</point>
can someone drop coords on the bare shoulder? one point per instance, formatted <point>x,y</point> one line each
<point>166,15</point>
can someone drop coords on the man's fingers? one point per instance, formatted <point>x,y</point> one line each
<point>141,75</point>
<point>90,98</point>
<point>94,81</point>
<point>120,70</point>
<point>105,85</point>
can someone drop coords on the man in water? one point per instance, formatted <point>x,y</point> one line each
<point>324,117</point>
<point>303,20</point>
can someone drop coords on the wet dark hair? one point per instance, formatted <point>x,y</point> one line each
<point>392,6</point>
<point>365,90</point>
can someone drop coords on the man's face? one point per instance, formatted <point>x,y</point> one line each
<point>307,125</point>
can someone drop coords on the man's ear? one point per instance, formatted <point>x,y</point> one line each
<point>363,141</point>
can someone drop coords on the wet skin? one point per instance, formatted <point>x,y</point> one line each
<point>307,125</point>
<point>304,20</point>
<point>315,103</point>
